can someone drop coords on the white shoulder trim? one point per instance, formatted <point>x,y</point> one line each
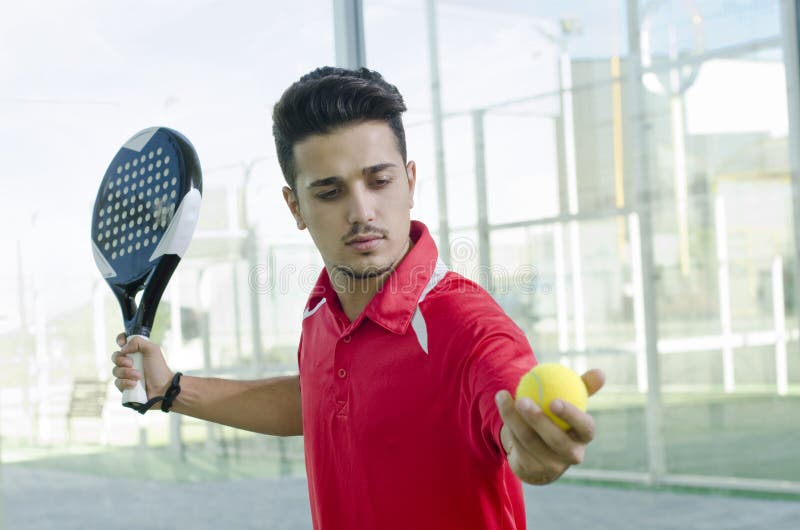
<point>421,329</point>
<point>438,273</point>
<point>418,321</point>
<point>307,313</point>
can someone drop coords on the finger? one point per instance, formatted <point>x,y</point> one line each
<point>121,372</point>
<point>530,460</point>
<point>121,359</point>
<point>552,436</point>
<point>525,438</point>
<point>122,339</point>
<point>594,380</point>
<point>582,426</point>
<point>526,466</point>
<point>124,384</point>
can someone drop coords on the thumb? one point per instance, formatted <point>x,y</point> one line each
<point>137,344</point>
<point>594,380</point>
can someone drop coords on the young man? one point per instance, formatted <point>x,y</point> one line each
<point>404,367</point>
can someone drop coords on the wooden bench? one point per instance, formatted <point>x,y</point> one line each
<point>86,401</point>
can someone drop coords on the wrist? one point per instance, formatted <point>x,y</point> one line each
<point>172,392</point>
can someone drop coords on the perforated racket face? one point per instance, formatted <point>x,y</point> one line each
<point>143,188</point>
<point>144,215</point>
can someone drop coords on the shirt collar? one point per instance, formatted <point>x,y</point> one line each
<point>393,306</point>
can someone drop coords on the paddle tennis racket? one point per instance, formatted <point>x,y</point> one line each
<point>144,215</point>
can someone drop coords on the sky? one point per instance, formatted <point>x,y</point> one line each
<point>78,78</point>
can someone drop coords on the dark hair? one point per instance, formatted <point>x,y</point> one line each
<point>329,98</point>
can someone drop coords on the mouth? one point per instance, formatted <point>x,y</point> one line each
<point>364,243</point>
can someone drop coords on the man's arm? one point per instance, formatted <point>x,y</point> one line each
<point>266,406</point>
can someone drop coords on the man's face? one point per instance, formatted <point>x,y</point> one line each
<point>354,193</point>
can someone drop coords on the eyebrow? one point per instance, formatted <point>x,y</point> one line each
<point>376,168</point>
<point>324,182</point>
<point>369,170</point>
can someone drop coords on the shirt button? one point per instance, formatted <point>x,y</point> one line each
<point>347,338</point>
<point>342,373</point>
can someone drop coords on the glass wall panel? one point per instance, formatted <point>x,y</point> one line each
<point>538,99</point>
<point>77,81</point>
<point>545,307</point>
<point>575,152</point>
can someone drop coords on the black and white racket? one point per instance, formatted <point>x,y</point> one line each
<point>144,215</point>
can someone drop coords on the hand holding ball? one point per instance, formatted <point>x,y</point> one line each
<point>549,381</point>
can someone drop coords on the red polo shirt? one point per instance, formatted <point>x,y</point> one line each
<point>400,425</point>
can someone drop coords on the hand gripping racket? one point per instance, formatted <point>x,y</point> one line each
<point>144,215</point>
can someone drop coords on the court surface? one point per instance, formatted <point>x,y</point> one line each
<point>44,499</point>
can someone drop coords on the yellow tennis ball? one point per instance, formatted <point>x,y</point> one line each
<point>549,381</point>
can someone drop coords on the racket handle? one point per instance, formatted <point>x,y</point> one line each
<point>137,394</point>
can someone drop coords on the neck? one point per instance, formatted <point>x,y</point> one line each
<point>353,303</point>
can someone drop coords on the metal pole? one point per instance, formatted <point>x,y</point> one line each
<point>790,21</point>
<point>175,317</point>
<point>2,507</point>
<point>484,250</point>
<point>41,352</point>
<point>724,287</point>
<point>348,21</point>
<point>101,346</point>
<point>23,312</point>
<point>251,253</point>
<point>559,258</point>
<point>237,312</point>
<point>640,338</point>
<point>779,318</point>
<point>274,300</point>
<point>212,429</point>
<point>562,308</point>
<point>638,132</point>
<point>573,228</point>
<point>438,134</point>
<point>24,341</point>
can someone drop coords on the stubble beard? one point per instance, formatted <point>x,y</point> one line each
<point>347,277</point>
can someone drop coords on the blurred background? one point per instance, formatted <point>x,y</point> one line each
<point>621,175</point>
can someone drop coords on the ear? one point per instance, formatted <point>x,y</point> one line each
<point>294,207</point>
<point>411,172</point>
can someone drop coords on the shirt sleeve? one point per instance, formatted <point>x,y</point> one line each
<point>300,352</point>
<point>499,356</point>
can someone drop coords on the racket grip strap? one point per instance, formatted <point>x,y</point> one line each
<point>166,400</point>
<point>172,392</point>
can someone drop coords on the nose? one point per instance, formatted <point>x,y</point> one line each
<point>361,209</point>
